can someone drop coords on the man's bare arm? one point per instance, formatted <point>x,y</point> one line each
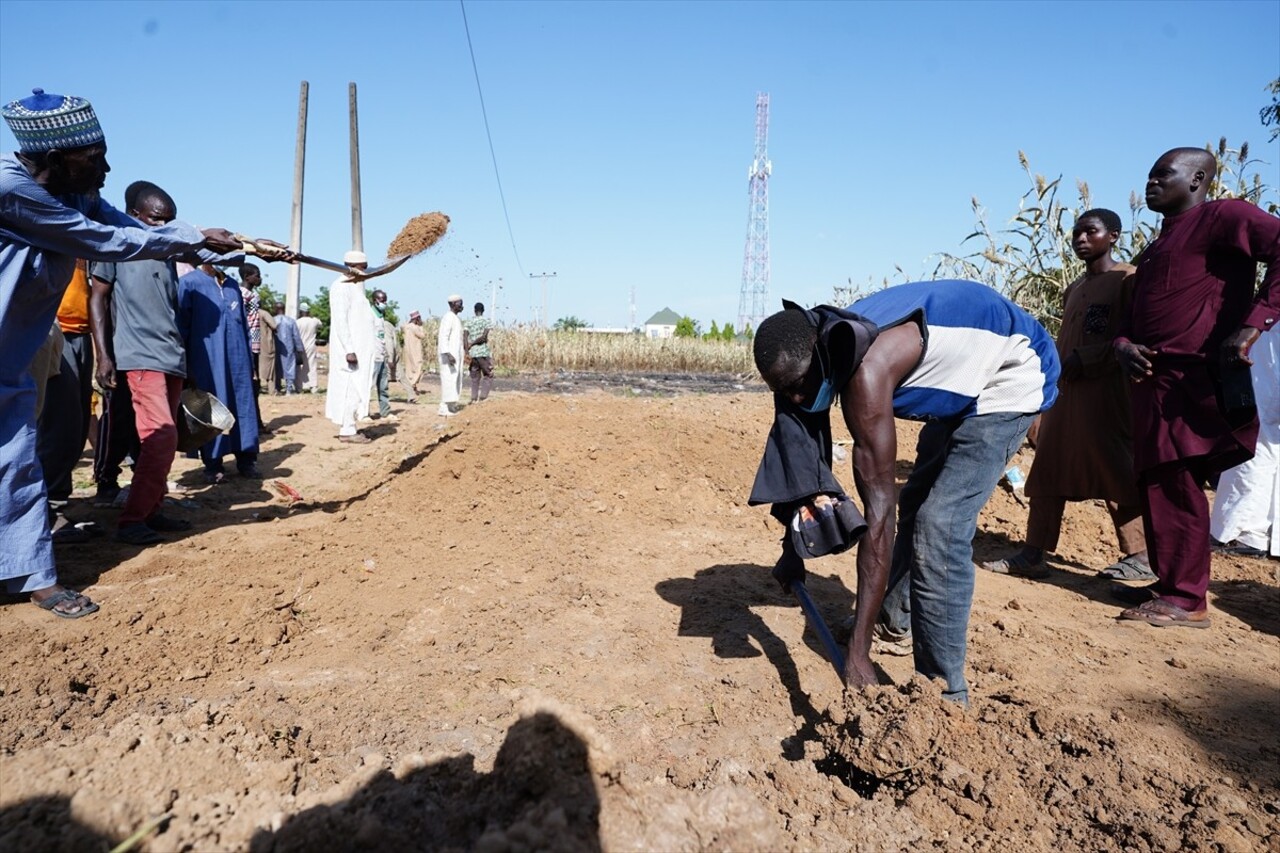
<point>867,404</point>
<point>100,332</point>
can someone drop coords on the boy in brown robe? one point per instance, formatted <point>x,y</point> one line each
<point>1084,448</point>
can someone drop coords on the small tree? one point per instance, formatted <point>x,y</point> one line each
<point>570,324</point>
<point>727,334</point>
<point>687,327</point>
<point>713,334</point>
<point>1270,114</point>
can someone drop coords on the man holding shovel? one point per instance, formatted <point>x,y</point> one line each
<point>52,216</point>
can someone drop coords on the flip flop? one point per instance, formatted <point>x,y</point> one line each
<point>1238,549</point>
<point>1018,566</point>
<point>1129,568</point>
<point>70,535</point>
<point>1162,614</point>
<point>138,534</point>
<point>166,524</point>
<point>67,595</point>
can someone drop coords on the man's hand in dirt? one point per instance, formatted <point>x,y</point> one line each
<point>1135,359</point>
<point>1235,349</point>
<point>105,373</point>
<point>859,673</point>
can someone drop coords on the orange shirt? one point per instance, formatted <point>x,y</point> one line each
<point>73,313</point>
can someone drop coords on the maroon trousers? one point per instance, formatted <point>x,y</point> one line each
<point>1176,515</point>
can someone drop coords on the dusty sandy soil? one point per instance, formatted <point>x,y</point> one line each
<point>549,624</point>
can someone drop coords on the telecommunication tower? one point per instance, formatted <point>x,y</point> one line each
<point>755,263</point>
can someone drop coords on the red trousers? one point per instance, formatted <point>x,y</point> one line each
<point>155,409</point>
<point>1176,515</point>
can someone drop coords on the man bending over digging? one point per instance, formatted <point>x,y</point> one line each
<point>976,369</point>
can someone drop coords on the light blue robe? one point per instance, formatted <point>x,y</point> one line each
<point>212,323</point>
<point>288,345</point>
<point>40,239</point>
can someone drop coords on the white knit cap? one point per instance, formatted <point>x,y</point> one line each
<point>454,298</point>
<point>354,257</point>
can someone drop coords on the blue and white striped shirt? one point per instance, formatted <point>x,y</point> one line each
<point>982,353</point>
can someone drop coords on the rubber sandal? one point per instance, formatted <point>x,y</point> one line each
<point>1238,549</point>
<point>1129,568</point>
<point>1162,614</point>
<point>138,534</point>
<point>1018,566</point>
<point>67,595</point>
<point>70,535</point>
<point>358,438</point>
<point>166,524</point>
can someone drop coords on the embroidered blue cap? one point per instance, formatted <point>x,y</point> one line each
<point>43,122</point>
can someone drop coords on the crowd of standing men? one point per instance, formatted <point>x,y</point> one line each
<point>140,303</point>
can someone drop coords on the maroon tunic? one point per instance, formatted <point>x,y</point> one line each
<point>1194,287</point>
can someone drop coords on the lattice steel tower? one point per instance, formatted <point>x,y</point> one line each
<point>755,262</point>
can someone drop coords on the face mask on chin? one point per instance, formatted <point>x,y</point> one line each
<point>826,391</point>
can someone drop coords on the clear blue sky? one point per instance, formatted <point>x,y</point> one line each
<point>624,130</point>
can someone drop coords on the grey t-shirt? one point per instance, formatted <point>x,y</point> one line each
<point>144,314</point>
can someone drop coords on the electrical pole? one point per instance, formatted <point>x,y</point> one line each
<point>294,287</point>
<point>544,276</point>
<point>495,286</point>
<point>357,221</point>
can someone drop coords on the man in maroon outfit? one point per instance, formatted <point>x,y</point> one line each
<point>1195,315</point>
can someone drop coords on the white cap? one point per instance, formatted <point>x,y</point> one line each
<point>354,257</point>
<point>455,298</point>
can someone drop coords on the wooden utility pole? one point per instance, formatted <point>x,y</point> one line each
<point>295,230</point>
<point>357,223</point>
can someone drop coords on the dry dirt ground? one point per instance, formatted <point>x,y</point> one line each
<point>548,625</point>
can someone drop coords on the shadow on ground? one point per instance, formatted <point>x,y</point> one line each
<point>718,603</point>
<point>541,795</point>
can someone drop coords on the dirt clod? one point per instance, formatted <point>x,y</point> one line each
<point>419,234</point>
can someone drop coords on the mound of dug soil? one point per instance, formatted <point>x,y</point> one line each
<point>549,624</point>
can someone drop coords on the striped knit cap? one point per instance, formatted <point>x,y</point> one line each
<point>44,122</point>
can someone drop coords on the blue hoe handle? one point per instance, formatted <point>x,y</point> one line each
<point>834,653</point>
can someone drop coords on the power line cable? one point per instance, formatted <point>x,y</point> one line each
<point>489,136</point>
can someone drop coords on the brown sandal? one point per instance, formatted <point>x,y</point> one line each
<point>358,438</point>
<point>1162,614</point>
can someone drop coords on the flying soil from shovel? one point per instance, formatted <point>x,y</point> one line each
<point>419,234</point>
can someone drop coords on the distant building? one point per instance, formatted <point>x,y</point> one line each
<point>662,324</point>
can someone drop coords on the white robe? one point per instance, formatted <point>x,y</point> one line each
<point>450,341</point>
<point>1247,505</point>
<point>307,327</point>
<point>350,330</point>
